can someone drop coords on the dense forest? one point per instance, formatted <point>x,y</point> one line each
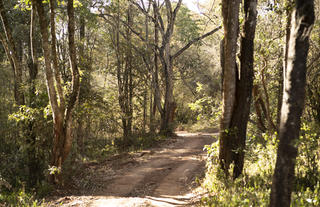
<point>83,81</point>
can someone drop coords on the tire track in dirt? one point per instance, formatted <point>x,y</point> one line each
<point>162,180</point>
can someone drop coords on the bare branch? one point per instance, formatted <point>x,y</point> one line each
<point>143,10</point>
<point>194,41</point>
<point>159,24</point>
<point>176,9</point>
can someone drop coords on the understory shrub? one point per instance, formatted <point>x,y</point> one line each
<point>253,187</point>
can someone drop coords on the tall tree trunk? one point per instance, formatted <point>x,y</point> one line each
<point>285,59</point>
<point>62,117</point>
<point>75,87</point>
<point>166,126</point>
<point>54,55</point>
<point>85,83</point>
<point>12,53</point>
<point>33,162</point>
<point>166,121</point>
<point>271,126</point>
<point>292,103</point>
<point>56,113</point>
<point>244,85</point>
<point>130,70</point>
<point>155,76</point>
<point>145,105</point>
<point>125,75</point>
<point>230,13</point>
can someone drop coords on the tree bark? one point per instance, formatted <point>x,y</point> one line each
<point>244,84</point>
<point>75,87</point>
<point>167,65</point>
<point>292,103</point>
<point>283,68</point>
<point>259,107</point>
<point>124,74</point>
<point>230,13</point>
<point>33,161</point>
<point>271,126</point>
<point>62,116</point>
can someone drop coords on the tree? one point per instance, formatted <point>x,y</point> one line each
<point>244,85</point>
<point>230,14</point>
<point>125,77</point>
<point>167,58</point>
<point>62,107</point>
<point>302,20</point>
<point>237,88</point>
<point>12,54</point>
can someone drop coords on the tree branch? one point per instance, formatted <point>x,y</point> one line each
<point>158,20</point>
<point>194,41</point>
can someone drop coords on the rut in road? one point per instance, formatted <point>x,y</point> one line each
<point>162,179</point>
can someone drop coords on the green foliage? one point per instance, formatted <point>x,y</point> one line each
<point>19,199</point>
<point>308,165</point>
<point>253,187</point>
<point>250,189</point>
<point>23,5</point>
<point>187,28</point>
<point>206,108</point>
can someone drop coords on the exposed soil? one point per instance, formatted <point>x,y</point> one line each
<point>163,176</point>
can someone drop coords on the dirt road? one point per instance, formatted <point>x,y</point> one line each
<point>159,177</point>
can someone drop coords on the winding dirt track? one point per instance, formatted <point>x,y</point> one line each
<point>163,178</point>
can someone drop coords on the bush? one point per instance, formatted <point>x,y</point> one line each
<point>254,186</point>
<point>19,198</point>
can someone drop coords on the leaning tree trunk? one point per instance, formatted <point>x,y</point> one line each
<point>230,13</point>
<point>292,103</point>
<point>244,85</point>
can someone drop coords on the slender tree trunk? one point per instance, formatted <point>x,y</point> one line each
<point>292,103</point>
<point>155,77</point>
<point>244,85</point>
<point>230,13</point>
<point>259,107</point>
<point>75,87</point>
<point>145,105</point>
<point>85,83</point>
<point>12,53</point>
<point>33,162</point>
<point>285,59</point>
<point>54,57</point>
<point>271,126</point>
<point>56,113</point>
<point>130,70</point>
<point>62,118</point>
<point>125,75</point>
